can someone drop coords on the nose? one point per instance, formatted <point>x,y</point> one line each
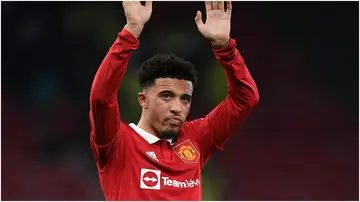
<point>175,110</point>
<point>176,107</point>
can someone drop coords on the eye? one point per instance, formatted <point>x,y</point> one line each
<point>186,99</point>
<point>166,96</point>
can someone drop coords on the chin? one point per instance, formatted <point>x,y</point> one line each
<point>171,132</point>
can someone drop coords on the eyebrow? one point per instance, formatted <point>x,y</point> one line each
<point>186,96</point>
<point>166,91</point>
<point>170,92</point>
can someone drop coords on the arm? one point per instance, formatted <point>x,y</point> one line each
<point>104,114</point>
<point>104,109</point>
<point>212,131</point>
<point>215,128</point>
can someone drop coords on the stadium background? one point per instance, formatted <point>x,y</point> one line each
<point>300,143</point>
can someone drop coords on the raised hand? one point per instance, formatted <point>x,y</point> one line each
<point>217,25</point>
<point>136,16</point>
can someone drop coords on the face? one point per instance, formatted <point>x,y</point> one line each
<point>166,105</point>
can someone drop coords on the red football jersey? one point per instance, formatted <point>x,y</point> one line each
<point>136,165</point>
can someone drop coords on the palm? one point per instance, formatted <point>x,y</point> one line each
<point>136,13</point>
<point>217,25</point>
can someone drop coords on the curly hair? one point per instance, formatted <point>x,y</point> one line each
<point>166,65</point>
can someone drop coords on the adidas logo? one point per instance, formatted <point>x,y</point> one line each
<point>152,155</point>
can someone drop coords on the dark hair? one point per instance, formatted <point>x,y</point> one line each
<point>166,66</point>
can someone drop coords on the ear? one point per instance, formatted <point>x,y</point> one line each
<point>143,101</point>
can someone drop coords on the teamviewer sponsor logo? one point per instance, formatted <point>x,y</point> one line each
<point>150,179</point>
<point>180,184</point>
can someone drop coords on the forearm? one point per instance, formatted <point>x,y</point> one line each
<point>242,89</point>
<point>104,109</point>
<point>134,29</point>
<point>220,43</point>
<point>228,115</point>
<point>111,71</point>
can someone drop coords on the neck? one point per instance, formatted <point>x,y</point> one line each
<point>145,125</point>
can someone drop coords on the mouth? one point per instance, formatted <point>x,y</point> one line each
<point>177,121</point>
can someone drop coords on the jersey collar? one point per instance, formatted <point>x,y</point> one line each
<point>150,138</point>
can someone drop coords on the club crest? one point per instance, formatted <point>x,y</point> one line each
<point>187,152</point>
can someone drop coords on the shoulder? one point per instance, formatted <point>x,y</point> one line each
<point>193,129</point>
<point>195,126</point>
<point>126,131</point>
<point>126,127</point>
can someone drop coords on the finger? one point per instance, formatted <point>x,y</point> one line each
<point>198,19</point>
<point>228,7</point>
<point>148,4</point>
<point>215,5</point>
<point>208,6</point>
<point>221,5</point>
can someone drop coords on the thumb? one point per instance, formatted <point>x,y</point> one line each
<point>198,19</point>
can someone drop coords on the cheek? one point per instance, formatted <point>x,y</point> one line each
<point>158,108</point>
<point>185,110</point>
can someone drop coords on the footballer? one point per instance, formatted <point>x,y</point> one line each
<point>161,157</point>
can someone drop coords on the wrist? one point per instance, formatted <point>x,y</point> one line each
<point>134,29</point>
<point>220,43</point>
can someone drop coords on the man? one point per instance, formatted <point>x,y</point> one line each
<point>162,156</point>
